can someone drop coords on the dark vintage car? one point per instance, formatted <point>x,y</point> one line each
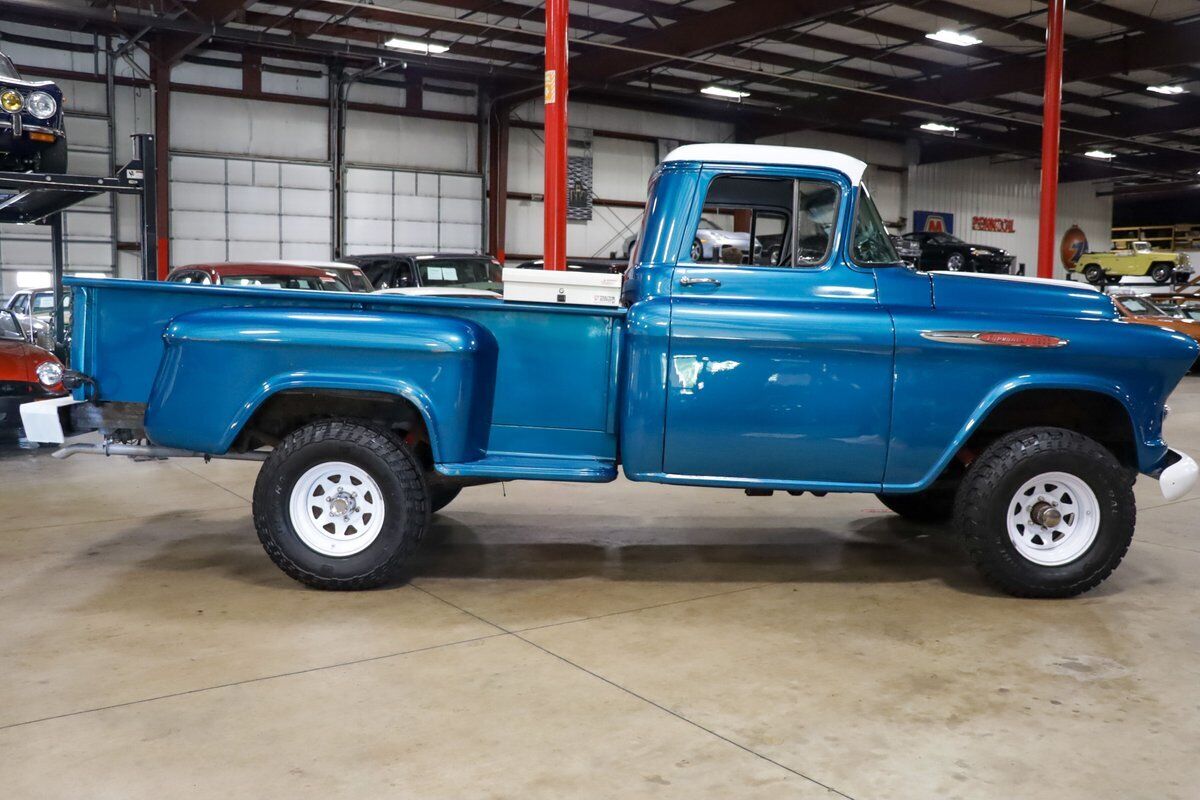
<point>948,252</point>
<point>262,274</point>
<point>31,123</point>
<point>908,249</point>
<point>21,366</point>
<point>429,270</point>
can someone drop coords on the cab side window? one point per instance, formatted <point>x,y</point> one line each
<point>765,222</point>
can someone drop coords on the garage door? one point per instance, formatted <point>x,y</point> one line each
<point>233,209</point>
<point>398,210</point>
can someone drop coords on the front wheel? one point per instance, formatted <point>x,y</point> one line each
<point>339,505</point>
<point>955,262</point>
<point>1046,512</point>
<point>1094,274</point>
<point>1161,273</point>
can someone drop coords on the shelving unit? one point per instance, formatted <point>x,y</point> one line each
<point>1160,237</point>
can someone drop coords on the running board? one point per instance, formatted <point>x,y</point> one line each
<point>514,466</point>
<point>149,451</point>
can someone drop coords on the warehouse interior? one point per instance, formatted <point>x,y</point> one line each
<point>559,639</point>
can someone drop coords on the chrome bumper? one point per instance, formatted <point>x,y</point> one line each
<point>1175,480</point>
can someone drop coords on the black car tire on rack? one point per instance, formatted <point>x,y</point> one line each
<point>1162,271</point>
<point>1094,274</point>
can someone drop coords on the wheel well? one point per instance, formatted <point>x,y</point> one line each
<point>284,412</point>
<point>1095,415</point>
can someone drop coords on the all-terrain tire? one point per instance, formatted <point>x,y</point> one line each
<point>982,508</point>
<point>403,494</point>
<point>933,506</point>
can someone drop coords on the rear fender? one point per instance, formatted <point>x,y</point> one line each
<point>220,365</point>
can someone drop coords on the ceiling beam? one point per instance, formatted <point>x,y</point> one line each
<point>215,13</point>
<point>701,33</point>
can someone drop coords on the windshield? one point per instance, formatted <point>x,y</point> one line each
<point>707,223</point>
<point>44,303</point>
<point>1140,307</point>
<point>9,327</point>
<point>460,273</point>
<point>945,238</point>
<point>1192,313</point>
<point>284,282</point>
<point>7,70</point>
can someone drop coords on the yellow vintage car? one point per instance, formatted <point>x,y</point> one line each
<point>1138,260</point>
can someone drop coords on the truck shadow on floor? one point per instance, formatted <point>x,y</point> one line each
<point>885,550</point>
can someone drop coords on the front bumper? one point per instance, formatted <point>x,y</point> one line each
<point>1179,476</point>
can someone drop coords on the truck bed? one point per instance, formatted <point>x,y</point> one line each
<point>555,367</point>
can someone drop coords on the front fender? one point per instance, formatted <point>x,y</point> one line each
<point>1146,435</point>
<point>220,365</point>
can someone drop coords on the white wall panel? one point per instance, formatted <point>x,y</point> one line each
<point>251,209</point>
<point>415,142</point>
<point>235,126</point>
<point>396,210</point>
<point>977,187</point>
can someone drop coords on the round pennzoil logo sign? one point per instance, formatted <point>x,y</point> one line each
<point>1074,244</point>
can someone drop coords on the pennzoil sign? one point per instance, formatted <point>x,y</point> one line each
<point>993,224</point>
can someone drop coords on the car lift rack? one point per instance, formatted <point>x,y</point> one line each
<point>34,198</point>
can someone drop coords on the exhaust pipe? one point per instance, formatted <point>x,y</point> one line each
<point>149,451</point>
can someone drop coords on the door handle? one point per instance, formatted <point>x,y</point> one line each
<point>687,280</point>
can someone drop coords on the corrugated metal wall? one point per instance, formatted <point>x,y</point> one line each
<point>977,187</point>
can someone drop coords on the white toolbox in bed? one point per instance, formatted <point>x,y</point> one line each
<point>568,287</point>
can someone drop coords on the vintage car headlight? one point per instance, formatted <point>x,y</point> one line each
<point>41,105</point>
<point>11,102</point>
<point>50,373</point>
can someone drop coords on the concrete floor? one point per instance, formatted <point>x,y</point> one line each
<point>569,641</point>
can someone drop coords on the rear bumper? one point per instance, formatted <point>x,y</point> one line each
<point>45,420</point>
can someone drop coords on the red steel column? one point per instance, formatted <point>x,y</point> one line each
<point>554,250</point>
<point>1051,119</point>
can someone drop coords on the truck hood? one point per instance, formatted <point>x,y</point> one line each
<point>1007,294</point>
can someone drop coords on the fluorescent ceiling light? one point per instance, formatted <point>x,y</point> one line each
<point>721,91</point>
<point>1165,89</point>
<point>953,37</point>
<point>413,46</point>
<point>1102,154</point>
<point>938,127</point>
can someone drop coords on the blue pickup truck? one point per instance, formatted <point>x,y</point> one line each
<point>1015,407</point>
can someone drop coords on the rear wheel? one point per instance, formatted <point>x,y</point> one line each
<point>1046,512</point>
<point>339,505</point>
<point>1161,272</point>
<point>1093,274</point>
<point>697,252</point>
<point>934,505</point>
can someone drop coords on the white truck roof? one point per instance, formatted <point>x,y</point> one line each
<point>849,166</point>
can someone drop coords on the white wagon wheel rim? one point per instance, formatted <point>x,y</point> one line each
<point>1053,519</point>
<point>337,509</point>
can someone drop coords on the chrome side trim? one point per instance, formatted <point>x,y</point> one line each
<point>972,337</point>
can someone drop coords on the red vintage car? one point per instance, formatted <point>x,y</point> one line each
<point>261,274</point>
<point>24,371</point>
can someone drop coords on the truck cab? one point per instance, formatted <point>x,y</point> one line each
<point>820,364</point>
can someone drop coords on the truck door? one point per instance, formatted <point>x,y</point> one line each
<point>780,358</point>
